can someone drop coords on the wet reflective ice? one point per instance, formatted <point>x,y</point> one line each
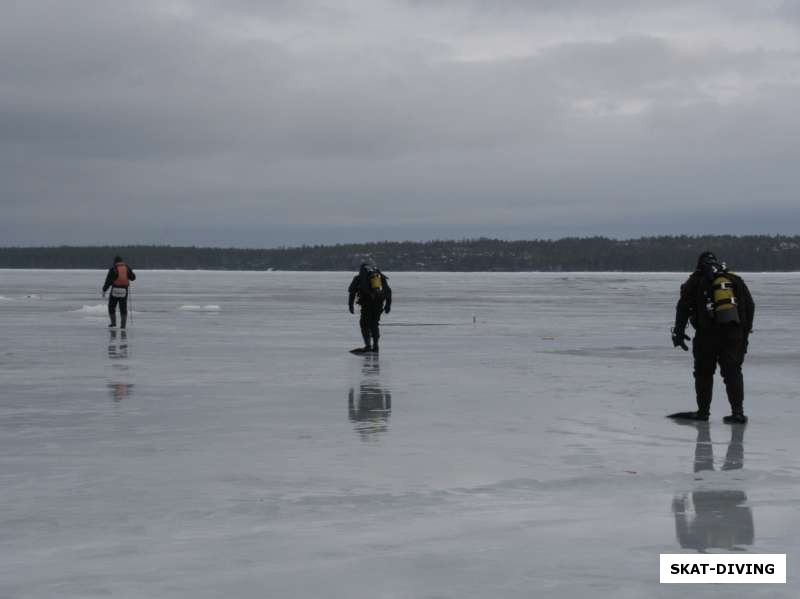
<point>509,441</point>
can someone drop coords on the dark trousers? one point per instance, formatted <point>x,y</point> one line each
<point>724,346</point>
<point>370,323</point>
<point>123,309</point>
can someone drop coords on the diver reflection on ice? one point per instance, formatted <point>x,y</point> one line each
<point>118,345</point>
<point>120,391</point>
<point>369,408</point>
<point>118,354</point>
<point>719,519</point>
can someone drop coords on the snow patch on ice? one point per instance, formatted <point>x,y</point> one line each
<point>4,298</point>
<point>96,309</point>
<point>194,308</point>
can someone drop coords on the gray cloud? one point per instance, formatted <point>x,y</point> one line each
<point>393,117</point>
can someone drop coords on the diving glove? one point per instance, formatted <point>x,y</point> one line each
<point>679,339</point>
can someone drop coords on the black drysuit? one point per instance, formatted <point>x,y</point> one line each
<point>714,343</point>
<point>372,305</point>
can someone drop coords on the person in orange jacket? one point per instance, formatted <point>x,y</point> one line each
<point>118,279</point>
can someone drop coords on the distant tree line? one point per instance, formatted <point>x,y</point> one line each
<point>665,253</point>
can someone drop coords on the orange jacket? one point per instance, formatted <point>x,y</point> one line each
<point>122,275</point>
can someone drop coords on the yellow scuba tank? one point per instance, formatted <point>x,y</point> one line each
<point>375,282</point>
<point>724,300</point>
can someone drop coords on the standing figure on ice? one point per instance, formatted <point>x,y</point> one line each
<point>374,295</point>
<point>118,278</point>
<point>720,308</point>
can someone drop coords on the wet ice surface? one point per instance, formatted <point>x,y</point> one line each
<point>229,445</point>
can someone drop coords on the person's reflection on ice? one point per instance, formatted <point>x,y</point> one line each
<point>118,354</point>
<point>718,519</point>
<point>369,406</point>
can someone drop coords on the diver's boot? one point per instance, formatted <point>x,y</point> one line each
<point>703,388</point>
<point>363,350</point>
<point>365,336</point>
<point>690,416</point>
<point>123,320</point>
<point>734,385</point>
<point>735,418</point>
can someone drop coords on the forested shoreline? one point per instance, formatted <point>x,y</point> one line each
<point>664,253</point>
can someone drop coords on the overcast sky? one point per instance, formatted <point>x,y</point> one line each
<point>268,122</point>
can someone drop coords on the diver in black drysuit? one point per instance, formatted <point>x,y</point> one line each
<point>372,303</point>
<point>713,342</point>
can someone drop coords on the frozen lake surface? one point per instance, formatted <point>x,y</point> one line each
<point>229,446</point>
